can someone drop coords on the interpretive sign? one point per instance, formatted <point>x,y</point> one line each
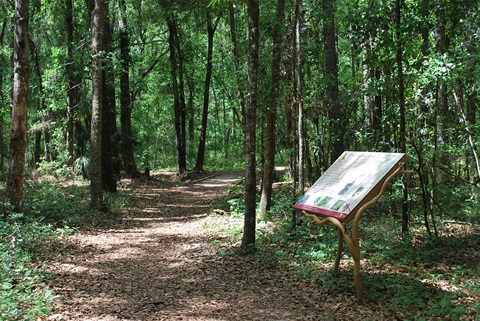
<point>350,179</point>
<point>353,183</point>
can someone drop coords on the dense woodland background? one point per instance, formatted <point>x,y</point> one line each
<point>108,89</point>
<point>176,83</point>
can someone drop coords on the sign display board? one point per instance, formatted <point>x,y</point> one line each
<point>347,182</point>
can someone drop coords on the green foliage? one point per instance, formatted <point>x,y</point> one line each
<point>57,204</point>
<point>53,207</point>
<point>67,204</point>
<point>24,242</point>
<point>416,276</point>
<point>237,206</point>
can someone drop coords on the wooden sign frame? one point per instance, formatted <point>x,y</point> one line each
<point>342,194</point>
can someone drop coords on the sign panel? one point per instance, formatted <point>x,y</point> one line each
<point>347,182</point>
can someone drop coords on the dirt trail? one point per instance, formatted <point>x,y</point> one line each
<point>157,263</point>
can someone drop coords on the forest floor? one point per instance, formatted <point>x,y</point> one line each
<point>161,261</point>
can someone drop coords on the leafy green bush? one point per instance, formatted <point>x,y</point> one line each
<point>24,242</point>
<point>63,204</point>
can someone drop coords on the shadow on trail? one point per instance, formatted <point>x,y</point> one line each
<point>156,263</point>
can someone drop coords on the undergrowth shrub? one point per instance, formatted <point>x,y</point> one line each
<point>53,210</point>
<point>24,243</point>
<point>436,278</point>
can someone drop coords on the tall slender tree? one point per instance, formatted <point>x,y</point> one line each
<point>129,163</point>
<point>250,126</point>
<point>110,166</point>
<point>2,115</point>
<point>401,98</point>
<point>270,139</point>
<point>73,82</point>
<point>41,108</point>
<point>299,97</point>
<point>18,131</point>
<point>179,107</point>
<point>98,51</point>
<point>331,76</point>
<point>211,26</point>
<point>237,53</point>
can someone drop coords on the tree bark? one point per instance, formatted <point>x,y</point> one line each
<point>73,83</point>
<point>110,167</point>
<point>3,63</point>
<point>179,107</point>
<point>250,127</point>
<point>206,96</point>
<point>41,107</point>
<point>377,113</point>
<point>270,139</point>
<point>401,102</point>
<point>331,71</point>
<point>128,156</point>
<point>98,50</point>
<point>238,65</point>
<point>18,131</point>
<point>299,98</point>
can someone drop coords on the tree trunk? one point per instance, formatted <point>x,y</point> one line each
<point>238,65</point>
<point>299,97</point>
<point>73,83</point>
<point>128,156</point>
<point>250,127</point>
<point>331,75</point>
<point>110,166</point>
<point>471,120</point>
<point>191,108</point>
<point>377,113</point>
<point>179,111</point>
<point>270,139</point>
<point>182,161</point>
<point>401,102</point>
<point>18,131</point>
<point>2,63</point>
<point>291,134</point>
<point>441,121</point>
<point>44,118</point>
<point>206,96</point>
<point>98,50</point>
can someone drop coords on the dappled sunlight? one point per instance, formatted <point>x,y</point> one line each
<point>158,263</point>
<point>170,257</point>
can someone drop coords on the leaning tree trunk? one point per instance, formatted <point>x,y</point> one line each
<point>250,127</point>
<point>98,23</point>
<point>18,132</point>
<point>269,165</point>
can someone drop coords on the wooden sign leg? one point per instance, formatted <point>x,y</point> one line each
<point>358,282</point>
<point>339,249</point>
<point>353,246</point>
